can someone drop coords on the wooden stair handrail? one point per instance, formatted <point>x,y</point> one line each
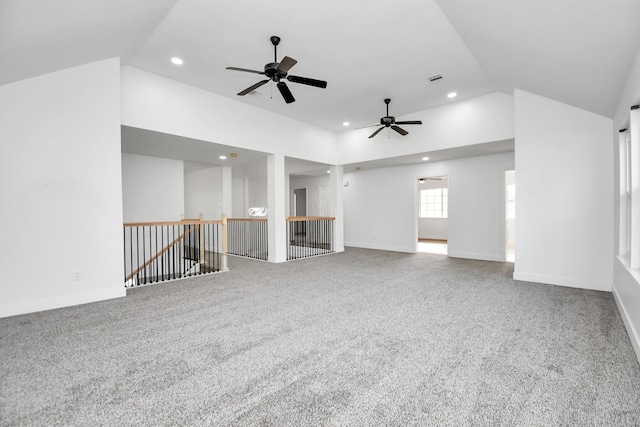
<point>184,222</point>
<point>310,218</point>
<point>156,256</point>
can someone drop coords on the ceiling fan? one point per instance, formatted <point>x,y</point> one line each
<point>276,71</point>
<point>390,121</point>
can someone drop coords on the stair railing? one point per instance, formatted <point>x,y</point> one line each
<point>309,236</point>
<point>169,250</point>
<point>248,237</point>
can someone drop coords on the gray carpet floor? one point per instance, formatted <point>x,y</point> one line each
<point>360,338</point>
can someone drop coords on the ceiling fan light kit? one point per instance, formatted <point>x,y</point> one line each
<point>278,71</point>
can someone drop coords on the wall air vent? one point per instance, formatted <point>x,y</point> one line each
<point>435,78</point>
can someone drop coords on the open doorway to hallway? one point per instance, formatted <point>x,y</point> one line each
<point>510,181</point>
<point>432,246</point>
<point>433,213</point>
<point>299,209</point>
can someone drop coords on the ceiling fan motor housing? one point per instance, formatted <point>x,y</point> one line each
<point>271,71</point>
<point>388,121</point>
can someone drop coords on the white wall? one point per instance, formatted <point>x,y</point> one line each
<point>249,187</point>
<point>152,188</point>
<point>433,228</point>
<point>312,184</point>
<point>478,120</point>
<point>477,207</point>
<point>157,103</point>
<point>203,193</point>
<point>60,181</point>
<point>238,203</point>
<point>380,206</point>
<point>256,184</point>
<point>564,178</point>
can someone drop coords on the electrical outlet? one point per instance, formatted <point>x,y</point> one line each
<point>76,276</point>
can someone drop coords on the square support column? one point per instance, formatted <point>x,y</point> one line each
<point>277,223</point>
<point>337,206</point>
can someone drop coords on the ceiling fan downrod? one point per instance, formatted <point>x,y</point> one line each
<point>275,40</point>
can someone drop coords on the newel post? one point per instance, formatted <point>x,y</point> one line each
<point>201,241</point>
<point>182,239</point>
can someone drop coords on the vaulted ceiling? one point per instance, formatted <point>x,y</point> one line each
<point>575,51</point>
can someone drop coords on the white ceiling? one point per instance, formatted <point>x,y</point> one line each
<point>198,154</point>
<point>575,51</point>
<point>193,152</point>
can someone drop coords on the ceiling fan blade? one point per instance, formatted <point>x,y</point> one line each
<point>410,122</point>
<point>399,130</point>
<point>307,81</point>
<point>252,88</point>
<point>376,132</point>
<point>367,126</point>
<point>286,93</point>
<point>246,70</point>
<point>286,64</point>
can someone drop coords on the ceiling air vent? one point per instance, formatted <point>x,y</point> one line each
<point>435,78</point>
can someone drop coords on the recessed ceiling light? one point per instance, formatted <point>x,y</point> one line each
<point>452,95</point>
<point>176,60</point>
<point>328,171</point>
<point>345,123</point>
<point>223,157</point>
<point>425,158</point>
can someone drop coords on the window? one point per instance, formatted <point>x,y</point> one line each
<point>625,193</point>
<point>629,185</point>
<point>434,203</point>
<point>628,194</point>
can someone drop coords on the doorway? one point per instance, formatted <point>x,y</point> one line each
<point>433,214</point>
<point>510,217</point>
<point>299,208</point>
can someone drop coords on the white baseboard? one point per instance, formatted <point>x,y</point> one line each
<point>634,336</point>
<point>380,247</point>
<point>626,292</point>
<point>480,257</point>
<point>32,306</point>
<point>570,282</point>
